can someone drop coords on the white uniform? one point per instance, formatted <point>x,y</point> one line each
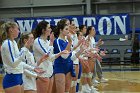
<point>29,77</point>
<point>12,58</point>
<point>74,43</point>
<point>92,43</point>
<point>40,48</point>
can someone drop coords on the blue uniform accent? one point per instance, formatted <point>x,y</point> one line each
<point>10,50</point>
<point>62,65</point>
<point>41,45</point>
<point>77,87</point>
<point>11,80</point>
<point>79,76</point>
<point>96,39</point>
<point>80,71</point>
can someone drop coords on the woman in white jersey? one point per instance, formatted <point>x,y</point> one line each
<point>12,59</point>
<point>29,77</point>
<point>75,47</point>
<point>92,48</point>
<point>43,46</point>
<point>97,65</point>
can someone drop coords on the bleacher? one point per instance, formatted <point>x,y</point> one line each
<point>118,51</point>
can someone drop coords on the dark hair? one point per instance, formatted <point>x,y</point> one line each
<point>22,37</point>
<point>52,27</point>
<point>60,26</point>
<point>88,30</point>
<point>5,28</point>
<point>64,20</point>
<point>81,27</point>
<point>71,20</point>
<point>78,33</point>
<point>54,30</point>
<point>38,30</point>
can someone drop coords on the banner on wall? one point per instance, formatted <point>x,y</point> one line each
<point>104,24</point>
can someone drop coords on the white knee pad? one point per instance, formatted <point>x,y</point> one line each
<point>73,83</point>
<point>78,80</point>
<point>84,75</point>
<point>89,75</point>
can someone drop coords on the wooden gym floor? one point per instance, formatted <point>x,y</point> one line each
<point>119,82</point>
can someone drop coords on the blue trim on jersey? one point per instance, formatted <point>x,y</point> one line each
<point>10,50</point>
<point>41,46</point>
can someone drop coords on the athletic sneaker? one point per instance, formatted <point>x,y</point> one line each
<point>95,81</point>
<point>94,91</point>
<point>85,89</point>
<point>103,80</point>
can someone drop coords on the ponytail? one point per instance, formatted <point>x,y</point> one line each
<point>5,29</point>
<point>23,36</point>
<point>60,26</point>
<point>4,33</point>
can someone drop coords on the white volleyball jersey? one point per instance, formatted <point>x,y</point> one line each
<point>40,48</point>
<point>12,58</point>
<point>92,43</point>
<point>29,76</point>
<point>75,43</point>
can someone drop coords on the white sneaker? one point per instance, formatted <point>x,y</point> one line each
<point>85,89</point>
<point>95,81</point>
<point>92,87</point>
<point>93,90</point>
<point>103,80</point>
<point>79,92</point>
<point>88,87</point>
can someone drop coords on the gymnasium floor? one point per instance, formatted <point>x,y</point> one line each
<point>120,81</point>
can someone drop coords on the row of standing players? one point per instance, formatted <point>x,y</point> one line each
<point>63,60</point>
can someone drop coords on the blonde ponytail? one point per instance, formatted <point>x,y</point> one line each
<point>4,33</point>
<point>5,29</point>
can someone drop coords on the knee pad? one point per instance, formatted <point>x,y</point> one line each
<point>84,75</point>
<point>78,80</point>
<point>89,75</point>
<point>73,83</point>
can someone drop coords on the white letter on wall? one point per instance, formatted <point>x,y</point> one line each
<point>100,25</point>
<point>76,22</point>
<point>25,25</point>
<point>120,23</point>
<point>56,21</point>
<point>89,21</point>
